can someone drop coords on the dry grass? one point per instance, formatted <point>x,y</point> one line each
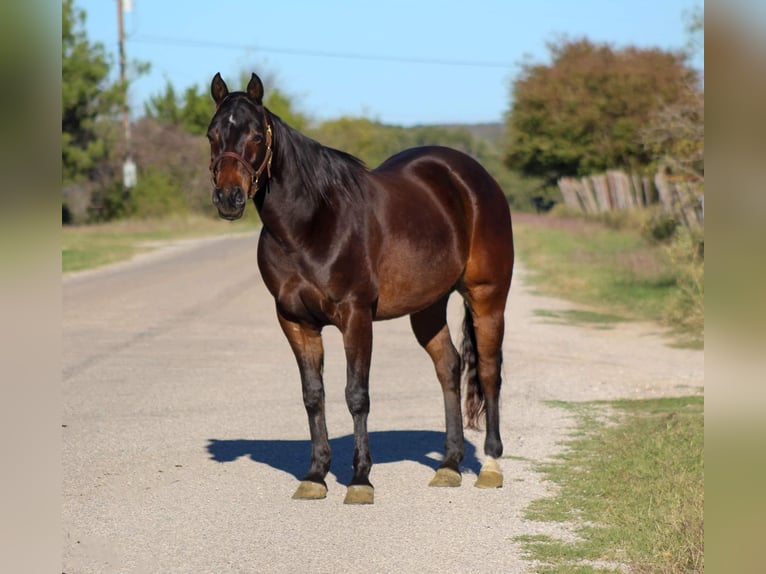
<point>616,271</point>
<point>89,246</point>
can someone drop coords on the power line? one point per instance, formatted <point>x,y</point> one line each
<point>319,53</point>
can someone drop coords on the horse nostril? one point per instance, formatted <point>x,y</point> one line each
<point>217,196</point>
<point>239,197</point>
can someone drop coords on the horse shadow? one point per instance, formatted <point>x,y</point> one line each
<point>293,456</point>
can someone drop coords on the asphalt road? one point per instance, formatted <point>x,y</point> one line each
<point>184,433</point>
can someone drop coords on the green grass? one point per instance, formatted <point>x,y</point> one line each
<point>632,481</point>
<point>618,274</point>
<point>596,265</point>
<point>90,246</point>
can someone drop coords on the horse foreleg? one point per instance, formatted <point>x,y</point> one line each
<point>306,344</point>
<point>357,341</point>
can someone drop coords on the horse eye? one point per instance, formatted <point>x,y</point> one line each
<point>257,138</point>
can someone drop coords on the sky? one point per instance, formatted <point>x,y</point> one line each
<point>402,62</point>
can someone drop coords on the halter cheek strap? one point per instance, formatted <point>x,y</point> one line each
<point>255,174</point>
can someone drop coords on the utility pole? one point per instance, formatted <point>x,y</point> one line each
<point>129,166</point>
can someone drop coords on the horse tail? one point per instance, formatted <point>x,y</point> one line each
<point>474,394</point>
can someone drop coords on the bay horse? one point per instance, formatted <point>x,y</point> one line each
<point>345,245</point>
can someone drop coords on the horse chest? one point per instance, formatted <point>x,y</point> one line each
<point>314,293</point>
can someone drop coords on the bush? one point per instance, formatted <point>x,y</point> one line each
<point>108,204</point>
<point>660,227</point>
<point>687,257</point>
<point>156,195</point>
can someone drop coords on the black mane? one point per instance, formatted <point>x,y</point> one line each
<point>324,173</point>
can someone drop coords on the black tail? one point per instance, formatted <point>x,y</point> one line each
<point>474,395</point>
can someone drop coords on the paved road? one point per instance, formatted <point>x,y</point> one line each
<point>184,430</point>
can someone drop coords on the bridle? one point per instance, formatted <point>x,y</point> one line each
<point>255,174</point>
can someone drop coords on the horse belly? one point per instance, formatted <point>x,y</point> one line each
<point>414,274</point>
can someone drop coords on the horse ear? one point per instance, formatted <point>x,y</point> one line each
<point>218,89</point>
<point>255,89</point>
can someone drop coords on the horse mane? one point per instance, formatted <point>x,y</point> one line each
<point>323,173</point>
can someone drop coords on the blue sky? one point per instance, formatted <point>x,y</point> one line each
<point>402,62</point>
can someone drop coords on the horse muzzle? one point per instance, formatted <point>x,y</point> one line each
<point>230,202</point>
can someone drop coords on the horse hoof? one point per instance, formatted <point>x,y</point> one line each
<point>446,477</point>
<point>490,476</point>
<point>308,490</point>
<point>359,494</point>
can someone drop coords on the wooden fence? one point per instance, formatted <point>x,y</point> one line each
<point>617,190</point>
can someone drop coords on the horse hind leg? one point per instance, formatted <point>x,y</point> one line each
<point>431,330</point>
<point>483,338</point>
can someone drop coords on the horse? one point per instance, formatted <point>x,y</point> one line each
<point>345,245</point>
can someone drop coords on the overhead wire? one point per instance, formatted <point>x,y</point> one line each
<point>319,53</point>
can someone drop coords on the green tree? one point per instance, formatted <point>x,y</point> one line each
<point>87,96</point>
<point>191,111</point>
<point>194,109</point>
<point>369,140</point>
<point>164,106</point>
<point>284,105</point>
<point>583,113</point>
<point>278,101</point>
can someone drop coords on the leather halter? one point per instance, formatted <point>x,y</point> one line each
<point>255,174</point>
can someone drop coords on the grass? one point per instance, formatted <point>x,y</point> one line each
<point>90,246</point>
<point>632,481</point>
<point>581,317</point>
<point>617,273</point>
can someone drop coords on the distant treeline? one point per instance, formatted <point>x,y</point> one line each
<point>173,165</point>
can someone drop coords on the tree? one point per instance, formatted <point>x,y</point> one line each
<point>584,112</point>
<point>164,106</point>
<point>87,96</point>
<point>369,140</point>
<point>194,110</point>
<point>675,134</point>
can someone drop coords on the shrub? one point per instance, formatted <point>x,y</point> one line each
<point>660,227</point>
<point>686,255</point>
<point>156,195</point>
<point>108,204</point>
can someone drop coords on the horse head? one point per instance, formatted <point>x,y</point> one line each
<point>240,146</point>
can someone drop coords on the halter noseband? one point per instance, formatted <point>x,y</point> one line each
<point>255,174</point>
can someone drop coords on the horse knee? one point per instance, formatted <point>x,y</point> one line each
<point>313,398</point>
<point>358,400</point>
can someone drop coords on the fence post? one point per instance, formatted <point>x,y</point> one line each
<point>601,188</point>
<point>567,188</point>
<point>588,196</point>
<point>665,192</point>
